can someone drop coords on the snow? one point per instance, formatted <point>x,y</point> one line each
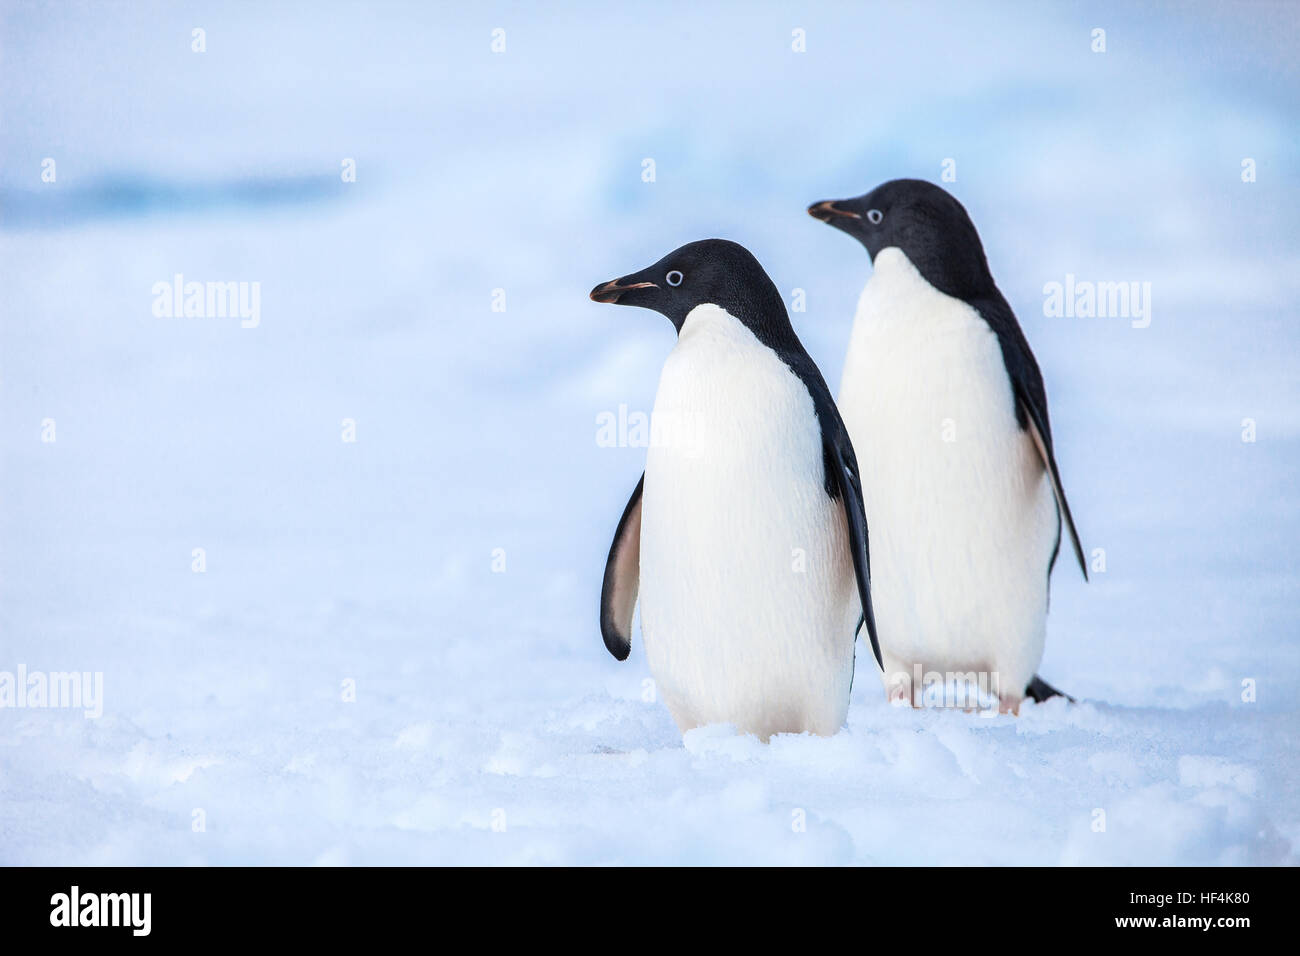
<point>489,723</point>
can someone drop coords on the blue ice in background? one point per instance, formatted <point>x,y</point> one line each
<point>489,724</point>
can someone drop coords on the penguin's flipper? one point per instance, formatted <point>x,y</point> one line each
<point>622,582</point>
<point>1039,690</point>
<point>1037,429</point>
<point>843,468</point>
<point>1031,404</point>
<point>840,466</point>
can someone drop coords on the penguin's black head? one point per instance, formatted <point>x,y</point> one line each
<point>712,271</point>
<point>924,222</point>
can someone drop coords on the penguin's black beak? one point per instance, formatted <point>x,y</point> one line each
<point>613,290</point>
<point>831,210</point>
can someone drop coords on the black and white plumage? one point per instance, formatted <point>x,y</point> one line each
<point>746,539</point>
<point>965,497</point>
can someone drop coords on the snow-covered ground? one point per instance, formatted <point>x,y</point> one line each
<point>489,724</point>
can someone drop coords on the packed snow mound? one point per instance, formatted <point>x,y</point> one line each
<point>607,779</point>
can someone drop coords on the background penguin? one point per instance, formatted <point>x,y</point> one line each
<point>746,536</point>
<point>963,492</point>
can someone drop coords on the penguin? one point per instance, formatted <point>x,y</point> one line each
<point>745,540</point>
<point>964,494</point>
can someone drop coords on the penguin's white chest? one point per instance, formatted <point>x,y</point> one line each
<point>960,509</point>
<point>748,602</point>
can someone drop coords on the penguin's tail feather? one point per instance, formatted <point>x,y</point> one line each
<point>1039,690</point>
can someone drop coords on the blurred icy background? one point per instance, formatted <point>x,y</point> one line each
<point>480,692</point>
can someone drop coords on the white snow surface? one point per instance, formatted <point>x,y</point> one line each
<point>489,723</point>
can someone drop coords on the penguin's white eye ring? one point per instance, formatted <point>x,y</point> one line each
<point>674,278</point>
<point>874,216</point>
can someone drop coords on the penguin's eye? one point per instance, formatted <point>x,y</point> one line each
<point>674,278</point>
<point>874,216</point>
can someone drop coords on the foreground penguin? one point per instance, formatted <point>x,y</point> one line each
<point>964,495</point>
<point>746,536</point>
